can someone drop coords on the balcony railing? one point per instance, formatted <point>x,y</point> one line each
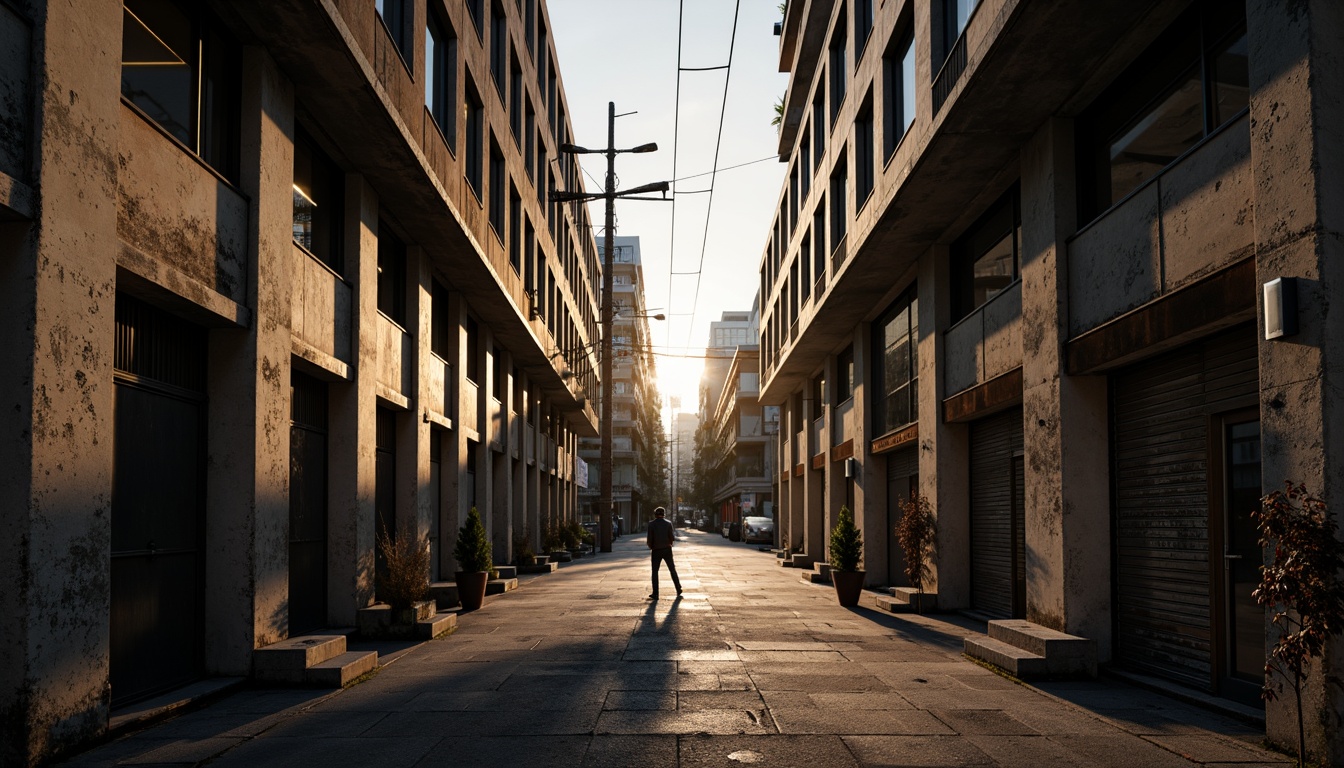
<point>949,74</point>
<point>843,428</point>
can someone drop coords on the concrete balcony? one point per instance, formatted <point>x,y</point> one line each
<point>986,343</point>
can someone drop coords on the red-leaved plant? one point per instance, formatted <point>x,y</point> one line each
<point>917,535</point>
<point>1301,585</point>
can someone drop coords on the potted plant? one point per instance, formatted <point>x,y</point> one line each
<point>917,536</point>
<point>846,549</point>
<point>474,561</point>
<point>570,538</point>
<point>405,582</point>
<point>522,550</point>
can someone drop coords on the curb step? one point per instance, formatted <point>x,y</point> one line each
<point>500,586</point>
<point>443,622</point>
<point>288,660</point>
<point>1011,659</point>
<point>341,670</point>
<point>1029,650</point>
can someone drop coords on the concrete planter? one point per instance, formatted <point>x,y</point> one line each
<point>471,588</point>
<point>382,620</point>
<point>848,586</point>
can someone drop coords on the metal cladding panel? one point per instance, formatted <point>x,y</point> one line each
<point>1160,411</point>
<point>994,442</point>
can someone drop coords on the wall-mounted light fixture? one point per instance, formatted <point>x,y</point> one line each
<point>1280,308</point>
<point>851,467</point>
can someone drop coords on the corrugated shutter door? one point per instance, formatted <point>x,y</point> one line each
<point>902,465</point>
<point>1161,449</point>
<point>994,440</point>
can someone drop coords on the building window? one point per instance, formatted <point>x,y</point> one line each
<point>473,351</point>
<point>475,139</point>
<point>440,332</point>
<point>844,375</point>
<point>987,258</point>
<point>805,268</point>
<point>955,15</point>
<point>393,15</point>
<point>441,76</point>
<point>516,102</point>
<point>819,241</point>
<point>839,72</point>
<point>1192,80</point>
<point>839,215</point>
<point>391,275</point>
<point>515,230</point>
<point>497,373</point>
<point>804,166</point>
<point>864,163</point>
<point>898,90</point>
<point>181,70</point>
<point>896,374</point>
<point>497,191</point>
<point>499,47</point>
<point>319,199</point>
<point>818,126</point>
<point>863,26</point>
<point>476,10</point>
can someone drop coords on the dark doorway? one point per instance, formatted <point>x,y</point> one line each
<point>1241,646</point>
<point>307,504</point>
<point>158,493</point>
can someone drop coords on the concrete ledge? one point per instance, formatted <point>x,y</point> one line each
<point>506,571</point>
<point>925,603</point>
<point>540,568</point>
<point>1011,659</point>
<point>439,624</point>
<point>287,660</point>
<point>343,669</point>
<point>444,594</point>
<point>500,586</point>
<point>1065,654</point>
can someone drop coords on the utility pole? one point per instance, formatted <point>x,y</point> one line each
<point>609,194</point>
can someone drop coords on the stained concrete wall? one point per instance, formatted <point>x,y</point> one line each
<point>58,287</point>
<point>1297,157</point>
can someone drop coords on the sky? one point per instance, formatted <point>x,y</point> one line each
<point>701,253</point>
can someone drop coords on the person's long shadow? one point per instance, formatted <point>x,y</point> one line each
<point>649,621</point>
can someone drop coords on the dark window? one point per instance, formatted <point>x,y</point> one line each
<point>864,164</point>
<point>819,240</point>
<point>863,25</point>
<point>497,191</point>
<point>476,9</point>
<point>896,374</point>
<point>499,47</point>
<point>497,373</point>
<point>898,90</point>
<point>793,291</point>
<point>804,167</point>
<point>515,230</point>
<point>839,72</point>
<point>475,139</point>
<point>394,18</point>
<point>987,257</point>
<point>530,144</point>
<point>805,267</point>
<point>441,327</point>
<point>516,102</point>
<point>441,76</point>
<point>391,275</point>
<point>818,126</point>
<point>953,21</point>
<point>529,258</point>
<point>181,69</point>
<point>844,375</point>
<point>473,353</point>
<point>530,24</point>
<point>1192,80</point>
<point>839,216</point>
<point>319,200</point>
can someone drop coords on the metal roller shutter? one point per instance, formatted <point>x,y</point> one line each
<point>902,467</point>
<point>1161,410</point>
<point>994,441</point>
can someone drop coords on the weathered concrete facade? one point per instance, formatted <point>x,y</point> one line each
<point>1000,279</point>
<point>294,284</point>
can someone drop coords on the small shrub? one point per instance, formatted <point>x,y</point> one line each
<point>846,543</point>
<point>917,535</point>
<point>569,537</point>
<point>1301,586</point>
<point>406,576</point>
<point>473,550</point>
<point>551,540</point>
<point>522,548</point>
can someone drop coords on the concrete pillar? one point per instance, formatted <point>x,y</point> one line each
<point>836,487</point>
<point>58,275</point>
<point>247,509</point>
<point>870,476</point>
<point>1068,551</point>
<point>943,448</point>
<point>1297,133</point>
<point>415,430</point>
<point>352,427</point>
<point>813,481</point>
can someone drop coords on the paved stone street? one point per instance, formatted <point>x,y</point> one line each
<point>751,666</point>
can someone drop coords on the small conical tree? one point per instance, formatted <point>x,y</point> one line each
<point>846,543</point>
<point>917,535</point>
<point>473,550</point>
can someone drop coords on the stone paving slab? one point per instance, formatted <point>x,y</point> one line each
<point>748,668</point>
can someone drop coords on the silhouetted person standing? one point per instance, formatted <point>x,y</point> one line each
<point>660,538</point>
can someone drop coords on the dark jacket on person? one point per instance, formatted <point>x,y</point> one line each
<point>661,533</point>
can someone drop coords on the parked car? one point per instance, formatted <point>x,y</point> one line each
<point>758,530</point>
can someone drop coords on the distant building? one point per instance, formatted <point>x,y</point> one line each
<point>637,483</point>
<point>1020,266</point>
<point>732,444</point>
<point>279,278</point>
